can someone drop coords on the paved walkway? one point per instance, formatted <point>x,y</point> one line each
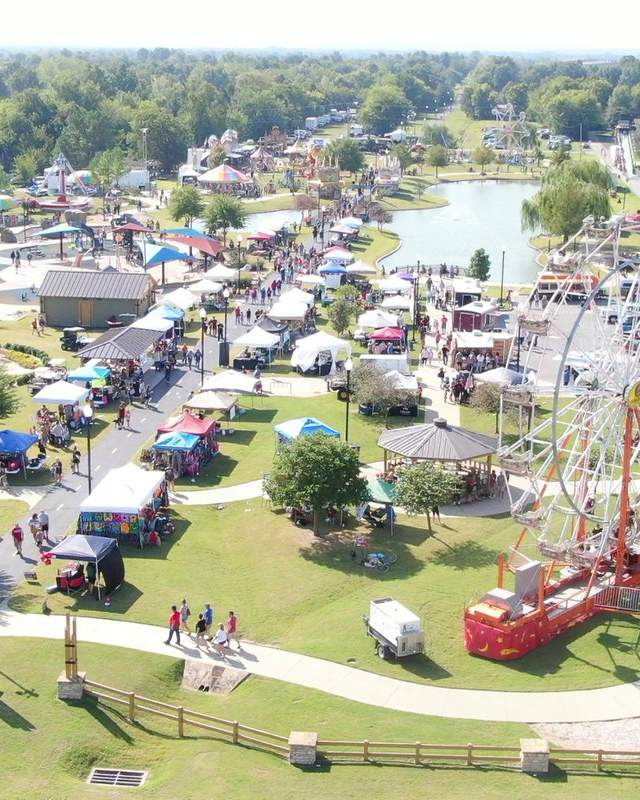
<point>615,702</point>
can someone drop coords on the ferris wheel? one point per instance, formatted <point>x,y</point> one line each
<point>570,443</point>
<point>512,131</point>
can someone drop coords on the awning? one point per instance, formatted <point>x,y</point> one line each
<point>297,296</point>
<point>231,381</point>
<point>361,268</point>
<point>311,279</point>
<point>187,423</point>
<point>126,490</point>
<point>212,401</point>
<point>381,491</point>
<point>61,392</point>
<point>394,284</point>
<point>308,349</point>
<point>83,548</point>
<point>15,441</point>
<point>87,373</point>
<point>388,335</point>
<point>397,301</point>
<point>183,442</point>
<point>257,337</point>
<point>332,268</point>
<point>205,286</point>
<point>179,298</point>
<point>153,322</point>
<point>59,230</point>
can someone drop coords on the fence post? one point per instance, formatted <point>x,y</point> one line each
<point>418,756</point>
<point>180,721</point>
<point>599,761</point>
<point>132,706</point>
<point>365,750</point>
<point>469,754</point>
<point>234,731</point>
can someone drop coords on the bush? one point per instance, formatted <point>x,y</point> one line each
<point>32,351</point>
<point>486,397</point>
<point>23,359</point>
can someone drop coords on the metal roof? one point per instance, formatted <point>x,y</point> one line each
<point>438,441</point>
<point>95,285</point>
<point>121,344</point>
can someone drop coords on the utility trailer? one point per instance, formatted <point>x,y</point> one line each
<point>396,630</point>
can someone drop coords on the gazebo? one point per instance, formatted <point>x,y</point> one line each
<point>439,441</point>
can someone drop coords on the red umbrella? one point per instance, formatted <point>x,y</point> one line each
<point>203,243</point>
<point>387,334</point>
<point>133,227</point>
<point>261,237</point>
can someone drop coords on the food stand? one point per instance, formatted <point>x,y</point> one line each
<point>125,505</point>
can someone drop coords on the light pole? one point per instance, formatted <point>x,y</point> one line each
<point>203,322</point>
<point>239,243</point>
<point>223,354</point>
<point>504,250</point>
<point>416,302</point>
<point>324,211</point>
<point>87,413</point>
<point>348,366</point>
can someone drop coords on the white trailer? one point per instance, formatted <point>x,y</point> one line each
<point>396,630</point>
<point>311,123</point>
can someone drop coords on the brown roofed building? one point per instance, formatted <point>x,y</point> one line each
<point>90,298</point>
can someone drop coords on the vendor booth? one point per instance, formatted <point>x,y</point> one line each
<point>394,284</point>
<point>462,291</point>
<point>377,319</point>
<point>126,505</point>
<point>381,493</point>
<point>184,443</point>
<point>388,361</point>
<point>497,344</point>
<point>61,393</point>
<point>339,255</point>
<point>97,379</point>
<point>13,452</point>
<point>232,381</point>
<point>103,554</point>
<point>258,349</point>
<point>306,426</point>
<point>289,311</point>
<point>214,401</point>
<point>318,353</point>
<point>387,341</point>
<point>333,273</point>
<point>397,302</point>
<point>481,315</point>
<point>179,298</point>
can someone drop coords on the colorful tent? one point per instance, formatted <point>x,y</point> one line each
<point>187,423</point>
<point>189,232</point>
<point>184,442</point>
<point>58,230</point>
<point>205,244</point>
<point>133,227</point>
<point>224,174</point>
<point>332,268</point>
<point>6,202</point>
<point>15,441</point>
<point>262,236</point>
<point>172,313</point>
<point>388,335</point>
<point>87,373</point>
<point>306,426</point>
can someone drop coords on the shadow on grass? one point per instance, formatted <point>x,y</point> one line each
<point>222,466</point>
<point>9,716</point>
<point>106,717</point>
<point>465,555</point>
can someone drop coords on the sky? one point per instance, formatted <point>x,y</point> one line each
<point>496,25</point>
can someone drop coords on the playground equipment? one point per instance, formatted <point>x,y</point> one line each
<point>575,475</point>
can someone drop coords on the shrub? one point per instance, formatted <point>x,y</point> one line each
<point>32,351</point>
<point>23,359</point>
<point>486,397</point>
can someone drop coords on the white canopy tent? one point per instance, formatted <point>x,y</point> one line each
<point>288,311</point>
<point>179,298</point>
<point>398,301</point>
<point>361,268</point>
<point>204,286</point>
<point>378,319</point>
<point>309,348</point>
<point>231,381</point>
<point>61,393</point>
<point>297,296</point>
<point>125,490</point>
<point>153,322</point>
<point>408,383</point>
<point>221,273</point>
<point>394,284</point>
<point>212,401</point>
<point>339,254</point>
<point>310,280</point>
<point>257,337</point>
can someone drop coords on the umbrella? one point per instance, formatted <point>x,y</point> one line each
<point>160,254</point>
<point>133,227</point>
<point>6,202</point>
<point>205,244</point>
<point>61,230</point>
<point>224,174</point>
<point>187,232</point>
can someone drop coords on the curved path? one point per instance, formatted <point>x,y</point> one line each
<point>615,702</point>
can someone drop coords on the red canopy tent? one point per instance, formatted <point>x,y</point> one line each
<point>205,244</point>
<point>133,227</point>
<point>261,236</point>
<point>387,335</point>
<point>187,423</point>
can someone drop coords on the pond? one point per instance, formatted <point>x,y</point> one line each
<point>480,214</point>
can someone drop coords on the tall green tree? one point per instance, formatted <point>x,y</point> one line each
<point>185,204</point>
<point>483,155</point>
<point>402,153</point>
<point>421,488</point>
<point>316,471</point>
<point>480,265</point>
<point>437,156</point>
<point>224,212</point>
<point>348,154</point>
<point>384,107</point>
<point>9,401</point>
<point>108,167</point>
<point>372,387</point>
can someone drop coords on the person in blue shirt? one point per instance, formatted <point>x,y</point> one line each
<point>207,613</point>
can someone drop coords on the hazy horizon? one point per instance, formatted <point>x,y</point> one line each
<point>548,29</point>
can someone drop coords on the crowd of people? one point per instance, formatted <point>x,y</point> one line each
<point>207,633</point>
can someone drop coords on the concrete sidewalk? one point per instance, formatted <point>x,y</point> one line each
<point>615,702</point>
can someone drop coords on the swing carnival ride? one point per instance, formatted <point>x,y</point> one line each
<point>574,482</point>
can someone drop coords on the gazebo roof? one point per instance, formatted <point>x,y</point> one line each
<point>438,441</point>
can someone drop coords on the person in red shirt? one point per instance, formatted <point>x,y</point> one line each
<point>18,536</point>
<point>174,626</point>
<point>232,629</point>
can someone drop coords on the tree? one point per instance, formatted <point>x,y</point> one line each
<point>570,192</point>
<point>384,107</point>
<point>25,167</point>
<point>423,487</point>
<point>224,212</point>
<point>479,265</point>
<point>316,471</point>
<point>371,387</point>
<point>382,216</point>
<point>9,402</point>
<point>437,156</point>
<point>402,153</point>
<point>343,308</point>
<point>5,180</point>
<point>216,156</point>
<point>347,154</point>
<point>483,155</point>
<point>108,167</point>
<point>185,204</point>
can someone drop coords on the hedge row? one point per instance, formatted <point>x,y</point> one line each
<point>32,351</point>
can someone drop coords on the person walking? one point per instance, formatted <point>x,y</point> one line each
<point>185,351</point>
<point>207,613</point>
<point>220,331</point>
<point>238,314</point>
<point>18,537</point>
<point>201,627</point>
<point>34,527</point>
<point>220,640</point>
<point>197,357</point>
<point>174,626</point>
<point>56,469</point>
<point>190,358</point>
<point>44,524</point>
<point>185,613</point>
<point>120,417</point>
<point>232,629</point>
<point>75,460</point>
<point>127,418</point>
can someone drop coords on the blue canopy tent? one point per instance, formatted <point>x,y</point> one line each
<point>192,232</point>
<point>183,442</point>
<point>332,268</point>
<point>61,231</point>
<point>305,426</point>
<point>86,373</point>
<point>159,254</point>
<point>14,443</point>
<point>168,312</point>
<point>100,550</point>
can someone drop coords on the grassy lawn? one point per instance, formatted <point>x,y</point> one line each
<point>296,591</point>
<point>413,195</point>
<point>65,740</point>
<point>373,244</point>
<point>10,511</point>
